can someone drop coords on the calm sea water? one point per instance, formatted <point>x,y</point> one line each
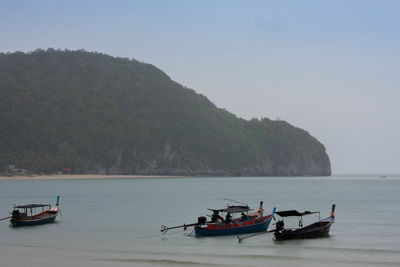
<point>116,222</point>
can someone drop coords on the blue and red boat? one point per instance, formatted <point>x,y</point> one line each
<point>238,220</point>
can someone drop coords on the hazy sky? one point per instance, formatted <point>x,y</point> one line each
<point>330,67</point>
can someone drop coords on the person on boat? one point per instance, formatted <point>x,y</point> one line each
<point>260,209</point>
<point>279,225</point>
<point>215,217</point>
<point>228,218</point>
<point>244,217</point>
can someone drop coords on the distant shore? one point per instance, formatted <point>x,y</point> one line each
<point>79,176</point>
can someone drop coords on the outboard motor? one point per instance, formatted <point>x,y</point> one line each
<point>15,214</point>
<point>202,220</point>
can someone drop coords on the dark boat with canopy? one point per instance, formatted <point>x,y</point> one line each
<point>239,219</point>
<point>27,215</point>
<point>318,229</point>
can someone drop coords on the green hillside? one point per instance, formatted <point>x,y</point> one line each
<point>93,113</point>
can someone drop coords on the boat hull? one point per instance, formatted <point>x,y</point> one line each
<point>43,219</point>
<point>315,230</point>
<point>259,225</point>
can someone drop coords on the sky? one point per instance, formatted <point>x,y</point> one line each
<point>329,67</point>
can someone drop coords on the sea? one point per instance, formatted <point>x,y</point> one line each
<point>116,222</point>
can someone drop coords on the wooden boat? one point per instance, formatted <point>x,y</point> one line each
<point>256,222</point>
<point>318,229</point>
<point>25,215</point>
<point>232,224</point>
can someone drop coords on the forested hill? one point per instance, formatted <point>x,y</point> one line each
<point>93,113</point>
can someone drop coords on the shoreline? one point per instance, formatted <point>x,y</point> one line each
<point>80,177</point>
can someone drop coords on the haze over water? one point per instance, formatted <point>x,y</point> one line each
<point>117,222</point>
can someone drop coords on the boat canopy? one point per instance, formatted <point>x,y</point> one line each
<point>30,206</point>
<point>288,213</point>
<point>233,209</point>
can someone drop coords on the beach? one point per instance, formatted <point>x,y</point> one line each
<point>80,177</point>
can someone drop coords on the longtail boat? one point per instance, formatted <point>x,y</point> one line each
<point>26,215</point>
<point>318,229</point>
<point>246,222</point>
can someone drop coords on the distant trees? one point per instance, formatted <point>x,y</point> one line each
<point>92,113</point>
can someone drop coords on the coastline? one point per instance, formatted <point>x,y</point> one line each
<point>80,177</point>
